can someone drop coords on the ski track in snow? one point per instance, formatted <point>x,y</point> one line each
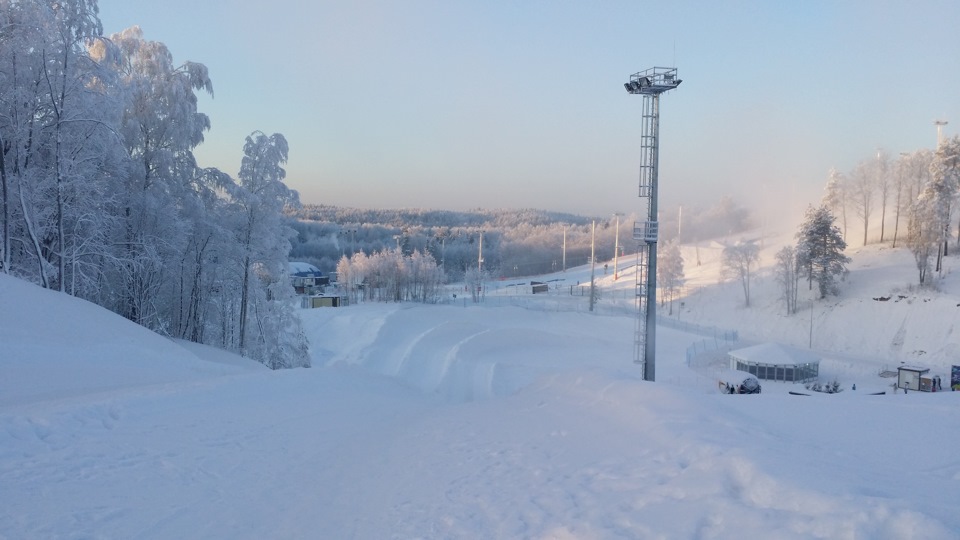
<point>450,422</point>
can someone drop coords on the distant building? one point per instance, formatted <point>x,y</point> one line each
<point>775,362</point>
<point>307,278</point>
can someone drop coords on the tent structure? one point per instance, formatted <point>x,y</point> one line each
<point>775,362</point>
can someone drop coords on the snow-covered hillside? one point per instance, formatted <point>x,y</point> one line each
<point>522,417</point>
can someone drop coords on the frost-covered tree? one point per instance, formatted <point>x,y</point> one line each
<point>100,194</point>
<point>835,196</point>
<point>425,278</point>
<point>941,191</point>
<point>391,276</point>
<point>863,186</point>
<point>912,174</point>
<point>922,235</point>
<point>268,328</point>
<point>787,277</point>
<point>900,185</point>
<point>884,183</point>
<point>160,127</point>
<point>474,279</point>
<point>670,272</point>
<point>820,247</point>
<point>737,261</point>
<point>56,146</point>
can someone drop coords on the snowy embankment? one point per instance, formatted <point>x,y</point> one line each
<point>442,422</point>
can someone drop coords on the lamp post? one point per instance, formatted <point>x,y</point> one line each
<point>616,245</point>
<point>649,83</point>
<point>593,262</point>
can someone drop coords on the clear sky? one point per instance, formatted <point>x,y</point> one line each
<point>520,104</point>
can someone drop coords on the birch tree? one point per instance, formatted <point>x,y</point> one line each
<point>922,235</point>
<point>883,186</point>
<point>787,277</point>
<point>268,328</point>
<point>863,187</point>
<point>160,127</point>
<point>670,271</point>
<point>737,261</point>
<point>835,196</point>
<point>54,138</point>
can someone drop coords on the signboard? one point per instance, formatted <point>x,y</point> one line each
<point>955,378</point>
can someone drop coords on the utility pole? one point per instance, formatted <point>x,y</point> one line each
<point>564,248</point>
<point>616,246</point>
<point>593,261</point>
<point>680,223</point>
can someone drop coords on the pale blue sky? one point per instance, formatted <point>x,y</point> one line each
<point>457,105</point>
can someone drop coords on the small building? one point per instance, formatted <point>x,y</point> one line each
<point>775,362</point>
<point>307,278</point>
<point>914,378</point>
<point>539,287</point>
<point>310,302</point>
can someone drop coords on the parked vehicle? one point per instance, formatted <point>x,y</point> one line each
<point>738,382</point>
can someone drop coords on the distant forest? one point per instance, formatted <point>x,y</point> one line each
<point>515,242</point>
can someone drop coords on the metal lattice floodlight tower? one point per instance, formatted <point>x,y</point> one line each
<point>650,84</point>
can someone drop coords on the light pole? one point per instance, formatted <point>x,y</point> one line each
<point>940,124</point>
<point>593,261</point>
<point>616,245</point>
<point>564,248</point>
<point>353,239</point>
<point>650,84</point>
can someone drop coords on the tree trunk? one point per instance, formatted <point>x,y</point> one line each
<point>4,202</point>
<point>244,295</point>
<point>883,219</point>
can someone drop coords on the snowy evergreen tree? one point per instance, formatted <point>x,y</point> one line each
<point>738,261</point>
<point>820,249</point>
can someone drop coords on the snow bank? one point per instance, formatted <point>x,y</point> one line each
<point>55,346</point>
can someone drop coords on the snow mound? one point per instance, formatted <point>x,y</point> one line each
<point>56,346</point>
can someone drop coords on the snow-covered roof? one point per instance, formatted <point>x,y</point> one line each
<point>303,268</point>
<point>774,353</point>
<point>918,369</point>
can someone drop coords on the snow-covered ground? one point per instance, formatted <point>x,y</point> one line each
<point>522,417</point>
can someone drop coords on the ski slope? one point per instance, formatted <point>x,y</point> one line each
<point>454,421</point>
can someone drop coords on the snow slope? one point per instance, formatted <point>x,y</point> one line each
<point>462,421</point>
